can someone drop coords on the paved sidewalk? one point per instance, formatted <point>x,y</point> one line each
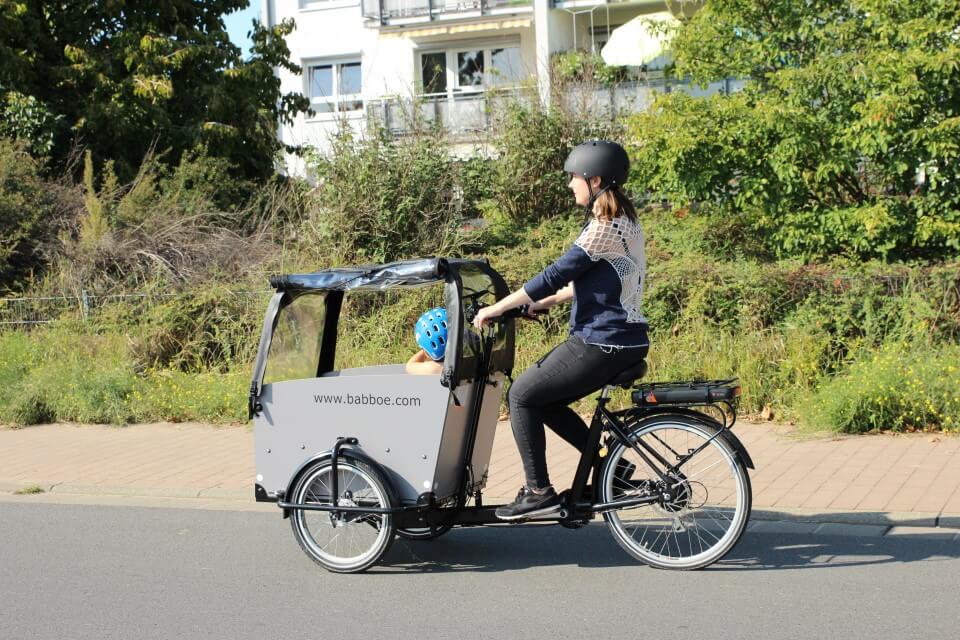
<point>889,479</point>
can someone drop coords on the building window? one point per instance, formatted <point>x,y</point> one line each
<point>506,66</point>
<point>461,71</point>
<point>334,87</point>
<point>470,69</point>
<point>433,70</point>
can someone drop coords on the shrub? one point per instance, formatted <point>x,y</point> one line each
<point>26,210</point>
<point>25,118</point>
<point>898,387</point>
<point>532,143</point>
<point>66,373</point>
<point>381,198</point>
<point>207,328</point>
<point>168,226</point>
<point>578,66</point>
<point>72,375</point>
<point>177,396</point>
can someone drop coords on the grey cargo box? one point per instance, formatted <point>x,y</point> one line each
<point>410,424</point>
<point>413,426</point>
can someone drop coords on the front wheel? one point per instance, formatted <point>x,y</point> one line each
<point>701,510</point>
<point>343,542</point>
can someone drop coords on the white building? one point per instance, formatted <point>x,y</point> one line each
<point>365,57</point>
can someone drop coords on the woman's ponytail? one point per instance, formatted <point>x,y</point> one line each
<point>612,203</point>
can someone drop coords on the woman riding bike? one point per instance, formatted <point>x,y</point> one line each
<point>603,274</point>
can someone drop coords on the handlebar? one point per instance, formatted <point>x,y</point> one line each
<point>523,311</point>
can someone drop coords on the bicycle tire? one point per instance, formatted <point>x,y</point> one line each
<point>308,525</point>
<point>722,500</point>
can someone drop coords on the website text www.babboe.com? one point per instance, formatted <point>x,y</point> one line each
<point>367,399</point>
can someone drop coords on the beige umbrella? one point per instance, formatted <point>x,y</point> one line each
<point>640,41</point>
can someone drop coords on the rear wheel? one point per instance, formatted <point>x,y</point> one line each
<point>700,512</point>
<point>343,542</point>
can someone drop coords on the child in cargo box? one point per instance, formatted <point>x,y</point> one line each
<point>430,332</point>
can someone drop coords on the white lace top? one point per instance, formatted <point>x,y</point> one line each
<point>607,266</point>
<point>620,242</point>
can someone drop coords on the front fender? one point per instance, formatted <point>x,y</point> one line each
<point>347,451</point>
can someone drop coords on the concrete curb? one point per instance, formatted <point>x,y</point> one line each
<point>811,516</point>
<point>213,493</point>
<point>872,518</point>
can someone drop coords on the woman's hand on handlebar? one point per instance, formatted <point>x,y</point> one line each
<point>534,310</point>
<point>484,315</point>
<point>506,305</point>
<point>489,314</point>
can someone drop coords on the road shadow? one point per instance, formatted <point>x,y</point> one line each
<point>511,548</point>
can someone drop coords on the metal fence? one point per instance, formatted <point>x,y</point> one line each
<point>27,312</point>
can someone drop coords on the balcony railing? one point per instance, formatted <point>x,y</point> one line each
<point>385,10</point>
<point>468,114</point>
<point>461,115</point>
<point>632,97</point>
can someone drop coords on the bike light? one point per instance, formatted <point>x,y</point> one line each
<point>736,391</point>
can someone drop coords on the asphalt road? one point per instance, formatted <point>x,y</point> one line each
<point>69,571</point>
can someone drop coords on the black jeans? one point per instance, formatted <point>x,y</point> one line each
<point>541,394</point>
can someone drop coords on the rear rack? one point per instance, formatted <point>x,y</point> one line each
<point>655,394</point>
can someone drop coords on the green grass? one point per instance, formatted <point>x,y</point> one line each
<point>67,374</point>
<point>860,347</point>
<point>897,387</point>
<point>32,489</point>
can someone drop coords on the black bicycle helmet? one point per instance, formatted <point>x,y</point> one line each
<point>599,158</point>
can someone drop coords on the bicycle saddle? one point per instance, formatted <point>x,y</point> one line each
<point>626,377</point>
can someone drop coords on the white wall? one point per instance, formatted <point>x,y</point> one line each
<point>334,29</point>
<point>325,30</point>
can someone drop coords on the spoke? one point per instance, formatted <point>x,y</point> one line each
<point>353,538</point>
<point>666,540</point>
<point>353,476</point>
<point>699,473</point>
<point>665,445</point>
<point>319,479</point>
<point>719,513</point>
<point>696,532</point>
<point>331,540</point>
<point>655,540</point>
<point>710,533</point>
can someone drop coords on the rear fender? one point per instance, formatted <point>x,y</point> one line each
<point>636,418</point>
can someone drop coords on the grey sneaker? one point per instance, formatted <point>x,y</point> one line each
<point>529,504</point>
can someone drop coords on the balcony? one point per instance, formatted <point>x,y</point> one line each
<point>464,116</point>
<point>461,116</point>
<point>391,11</point>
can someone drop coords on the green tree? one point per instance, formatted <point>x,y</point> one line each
<point>845,138</point>
<point>121,77</point>
<point>24,204</point>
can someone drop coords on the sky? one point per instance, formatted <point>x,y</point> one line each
<point>238,23</point>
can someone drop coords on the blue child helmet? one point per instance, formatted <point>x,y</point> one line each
<point>431,332</point>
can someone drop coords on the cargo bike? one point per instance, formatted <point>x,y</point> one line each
<point>356,456</point>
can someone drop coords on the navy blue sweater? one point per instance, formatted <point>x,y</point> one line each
<point>597,316</point>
